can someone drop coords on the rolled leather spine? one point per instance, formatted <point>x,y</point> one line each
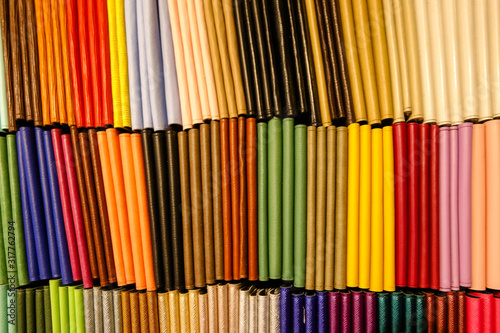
<point>263,310</point>
<point>358,311</point>
<point>275,188</point>
<point>444,210</point>
<point>217,200</point>
<point>288,197</point>
<point>434,206</point>
<point>153,206</point>
<point>311,209</point>
<point>353,182</point>
<point>409,305</point>
<point>300,205</point>
<point>159,224</point>
<point>370,312</point>
<point>323,311</point>
<point>397,309</point>
<point>196,208</point>
<point>262,200</point>
<point>341,184</point>
<point>401,204</point>
<point>174,190</point>
<point>187,238</point>
<point>430,311</point>
<point>274,311</point>
<point>464,201</point>
<point>163,312</point>
<point>298,312</point>
<point>243,198</point>
<point>334,311</point>
<point>226,199</point>
<point>413,203</point>
<point>441,323</point>
<point>311,312</point>
<point>235,195</point>
<point>420,312</point>
<point>424,173</point>
<point>310,85</point>
<point>252,195</point>
<point>286,307</point>
<point>383,315</point>
<point>206,179</point>
<point>475,313</point>
<point>345,312</point>
<point>452,307</point>
<point>462,317</point>
<point>101,203</point>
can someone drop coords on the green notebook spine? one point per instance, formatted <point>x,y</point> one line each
<point>262,201</point>
<point>288,197</point>
<point>17,215</point>
<point>275,186</point>
<point>300,210</point>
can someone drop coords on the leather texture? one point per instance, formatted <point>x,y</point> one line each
<point>340,249</point>
<point>288,198</point>
<point>173,306</point>
<point>441,312</point>
<point>206,184</point>
<point>274,311</point>
<point>108,311</point>
<point>383,316</point>
<point>462,317</point>
<point>235,195</point>
<point>298,300</point>
<point>222,307</point>
<point>397,311</point>
<point>194,314</point>
<point>7,58</point>
<point>311,208</point>
<point>101,205</point>
<point>187,240</point>
<point>98,319</point>
<point>244,298</point>
<point>262,184</point>
<point>434,207</point>
<point>163,313</point>
<point>135,312</point>
<point>245,46</point>
<point>346,318</point>
<point>419,317</point>
<point>283,37</point>
<point>300,205</point>
<point>410,310</point>
<point>286,308</point>
<point>39,310</point>
<point>159,221</point>
<point>430,311</point>
<point>31,313</point>
<point>311,312</point>
<point>370,312</point>
<point>217,199</point>
<point>331,145</point>
<point>323,311</point>
<point>252,197</point>
<point>226,199</point>
<point>401,205</point>
<point>233,301</point>
<point>321,176</point>
<point>196,208</point>
<point>358,311</point>
<point>126,314</point>
<point>80,177</point>
<point>117,309</point>
<point>212,308</point>
<point>143,312</point>
<point>152,300</point>
<point>174,201</point>
<point>475,314</point>
<point>263,310</point>
<point>424,199</point>
<point>243,199</point>
<point>309,78</point>
<point>324,15</point>
<point>413,139</point>
<point>88,298</point>
<point>88,172</point>
<point>153,205</point>
<point>334,308</point>
<point>452,305</point>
